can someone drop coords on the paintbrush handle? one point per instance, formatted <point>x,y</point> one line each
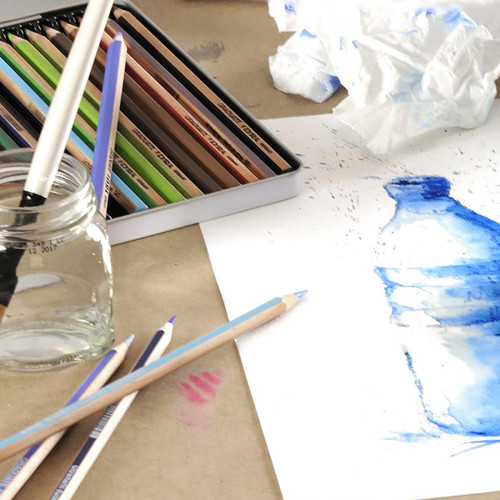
<point>69,91</point>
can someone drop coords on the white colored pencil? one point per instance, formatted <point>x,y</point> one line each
<point>30,461</point>
<point>109,421</point>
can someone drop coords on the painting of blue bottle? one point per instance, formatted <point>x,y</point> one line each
<point>440,265</point>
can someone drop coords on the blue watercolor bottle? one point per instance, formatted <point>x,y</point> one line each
<point>440,264</point>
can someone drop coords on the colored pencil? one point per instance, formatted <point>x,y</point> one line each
<point>109,421</point>
<point>192,81</point>
<point>185,118</point>
<point>159,160</point>
<point>210,164</point>
<point>183,164</point>
<point>6,141</point>
<point>35,455</point>
<point>191,103</point>
<point>14,123</point>
<point>38,108</point>
<point>148,374</point>
<point>123,147</point>
<point>58,60</point>
<point>55,132</point>
<point>104,150</point>
<point>63,43</point>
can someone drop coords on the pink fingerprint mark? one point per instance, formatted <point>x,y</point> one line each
<point>201,389</point>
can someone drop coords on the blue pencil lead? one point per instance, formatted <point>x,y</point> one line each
<point>301,293</point>
<point>129,339</point>
<point>172,319</point>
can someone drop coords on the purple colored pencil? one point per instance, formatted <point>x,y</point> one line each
<point>109,110</point>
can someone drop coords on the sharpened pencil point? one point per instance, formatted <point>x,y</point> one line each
<point>172,319</point>
<point>301,293</point>
<point>129,339</point>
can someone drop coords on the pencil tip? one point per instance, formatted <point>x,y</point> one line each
<point>301,293</point>
<point>172,319</point>
<point>10,36</point>
<point>129,339</point>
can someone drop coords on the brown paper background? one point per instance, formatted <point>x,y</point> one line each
<point>168,446</point>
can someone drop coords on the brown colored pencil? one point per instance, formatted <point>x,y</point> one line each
<point>63,43</point>
<point>169,124</point>
<point>13,121</point>
<point>126,126</point>
<point>185,118</point>
<point>187,164</point>
<point>131,24</point>
<point>58,59</point>
<point>255,164</point>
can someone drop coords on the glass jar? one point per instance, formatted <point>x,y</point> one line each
<point>60,311</point>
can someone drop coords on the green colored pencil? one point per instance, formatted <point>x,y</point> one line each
<point>6,142</point>
<point>123,146</point>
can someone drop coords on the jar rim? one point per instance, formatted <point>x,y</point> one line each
<point>72,170</point>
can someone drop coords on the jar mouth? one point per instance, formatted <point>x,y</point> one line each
<point>71,182</point>
<point>71,199</point>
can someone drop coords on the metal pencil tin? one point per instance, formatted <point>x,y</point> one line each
<point>194,210</point>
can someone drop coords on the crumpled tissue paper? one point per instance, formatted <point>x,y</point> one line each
<point>407,71</point>
<point>299,68</point>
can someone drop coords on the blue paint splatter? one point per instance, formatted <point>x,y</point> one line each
<point>290,8</point>
<point>452,308</point>
<point>307,34</point>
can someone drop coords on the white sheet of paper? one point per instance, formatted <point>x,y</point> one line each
<point>330,383</point>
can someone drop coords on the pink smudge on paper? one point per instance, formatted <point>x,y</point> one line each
<point>201,388</point>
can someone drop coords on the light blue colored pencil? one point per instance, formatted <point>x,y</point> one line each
<point>109,111</point>
<point>38,102</point>
<point>144,376</point>
<point>35,455</point>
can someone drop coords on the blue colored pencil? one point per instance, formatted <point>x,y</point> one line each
<point>38,102</point>
<point>146,375</point>
<point>109,421</point>
<point>23,469</point>
<point>109,111</point>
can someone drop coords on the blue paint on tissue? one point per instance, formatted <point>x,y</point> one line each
<point>307,34</point>
<point>440,264</point>
<point>455,17</point>
<point>428,11</point>
<point>290,7</point>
